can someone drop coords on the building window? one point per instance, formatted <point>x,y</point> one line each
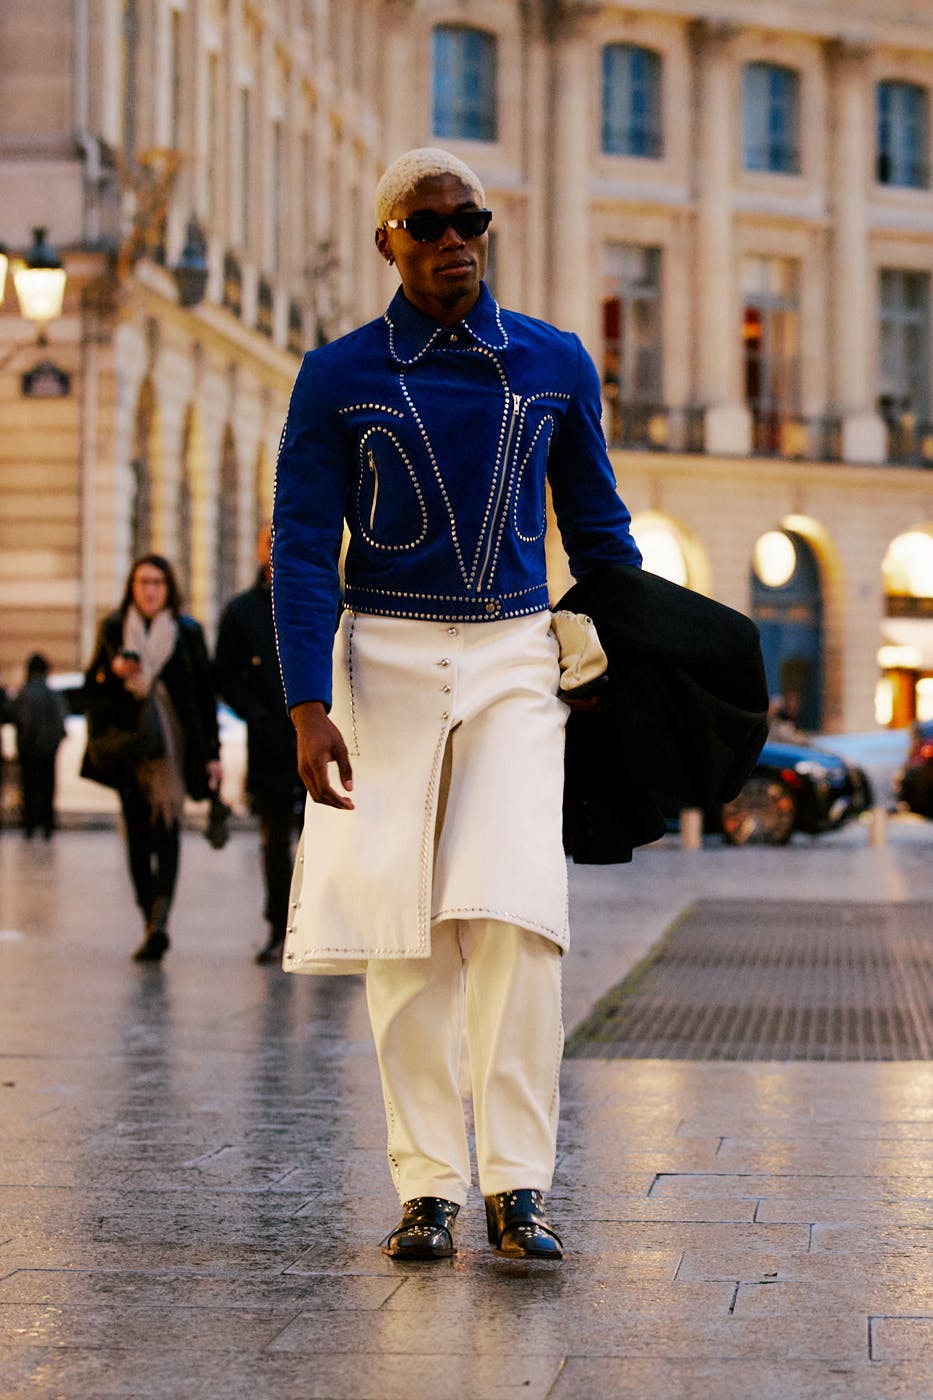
<point>902,135</point>
<point>771,341</point>
<point>265,308</point>
<point>464,66</point>
<point>233,284</point>
<point>904,346</point>
<point>771,119</point>
<point>631,101</point>
<point>295,341</point>
<point>632,342</point>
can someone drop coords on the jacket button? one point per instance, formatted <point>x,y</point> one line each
<point>444,661</point>
<point>448,689</point>
<point>451,631</point>
<point>445,715</point>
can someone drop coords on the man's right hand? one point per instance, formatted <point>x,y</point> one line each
<point>320,743</point>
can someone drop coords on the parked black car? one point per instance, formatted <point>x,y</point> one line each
<point>795,787</point>
<point>915,788</point>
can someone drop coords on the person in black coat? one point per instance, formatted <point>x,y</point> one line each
<point>248,678</point>
<point>39,716</point>
<point>152,731</point>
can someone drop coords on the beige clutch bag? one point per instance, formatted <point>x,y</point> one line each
<point>582,658</point>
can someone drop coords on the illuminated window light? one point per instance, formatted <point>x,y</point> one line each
<point>908,565</point>
<point>925,698</point>
<point>662,553</point>
<point>775,558</point>
<point>884,701</point>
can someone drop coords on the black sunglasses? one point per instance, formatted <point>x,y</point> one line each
<point>428,227</point>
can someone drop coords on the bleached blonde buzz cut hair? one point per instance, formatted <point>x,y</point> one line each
<point>423,163</point>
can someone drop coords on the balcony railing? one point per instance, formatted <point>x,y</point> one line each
<point>796,438</point>
<point>656,428</point>
<point>791,437</point>
<point>910,440</point>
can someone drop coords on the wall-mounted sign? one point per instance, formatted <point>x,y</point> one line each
<point>46,381</point>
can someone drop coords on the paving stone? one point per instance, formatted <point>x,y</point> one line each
<point>856,1297</point>
<point>533,1323</point>
<point>59,1287</point>
<point>904,1338</point>
<point>36,1372</point>
<point>208,1146</point>
<point>132,1325</point>
<point>661,1379</point>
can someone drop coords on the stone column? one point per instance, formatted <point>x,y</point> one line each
<point>728,422</point>
<point>571,282</point>
<point>852,334</point>
<point>530,219</point>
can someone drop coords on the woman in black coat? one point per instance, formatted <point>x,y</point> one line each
<point>152,731</point>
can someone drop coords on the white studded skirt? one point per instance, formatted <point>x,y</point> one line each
<point>456,737</point>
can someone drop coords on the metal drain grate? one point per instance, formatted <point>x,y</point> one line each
<point>747,980</point>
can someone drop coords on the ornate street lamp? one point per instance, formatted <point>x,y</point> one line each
<point>40,284</point>
<point>190,272</point>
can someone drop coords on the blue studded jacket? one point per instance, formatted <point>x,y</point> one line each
<point>433,444</point>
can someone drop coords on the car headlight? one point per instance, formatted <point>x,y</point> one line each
<point>807,768</point>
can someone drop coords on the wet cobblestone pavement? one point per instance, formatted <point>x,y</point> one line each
<point>193,1180</point>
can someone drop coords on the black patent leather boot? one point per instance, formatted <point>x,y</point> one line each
<point>155,942</point>
<point>518,1227</point>
<point>426,1230</point>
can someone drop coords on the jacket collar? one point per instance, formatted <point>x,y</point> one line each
<point>412,334</point>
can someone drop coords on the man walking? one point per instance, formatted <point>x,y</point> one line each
<point>39,716</point>
<point>249,680</point>
<point>431,432</point>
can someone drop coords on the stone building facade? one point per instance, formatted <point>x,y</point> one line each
<point>735,214</point>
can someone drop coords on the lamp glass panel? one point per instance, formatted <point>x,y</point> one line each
<point>41,292</point>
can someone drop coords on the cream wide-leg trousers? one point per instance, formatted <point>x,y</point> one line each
<point>507,980</point>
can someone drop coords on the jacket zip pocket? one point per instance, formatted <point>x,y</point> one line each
<point>372,510</point>
<point>493,519</point>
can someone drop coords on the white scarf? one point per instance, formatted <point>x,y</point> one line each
<point>161,780</point>
<point>153,645</point>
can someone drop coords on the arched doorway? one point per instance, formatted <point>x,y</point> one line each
<point>905,690</point>
<point>787,605</point>
<point>670,550</point>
